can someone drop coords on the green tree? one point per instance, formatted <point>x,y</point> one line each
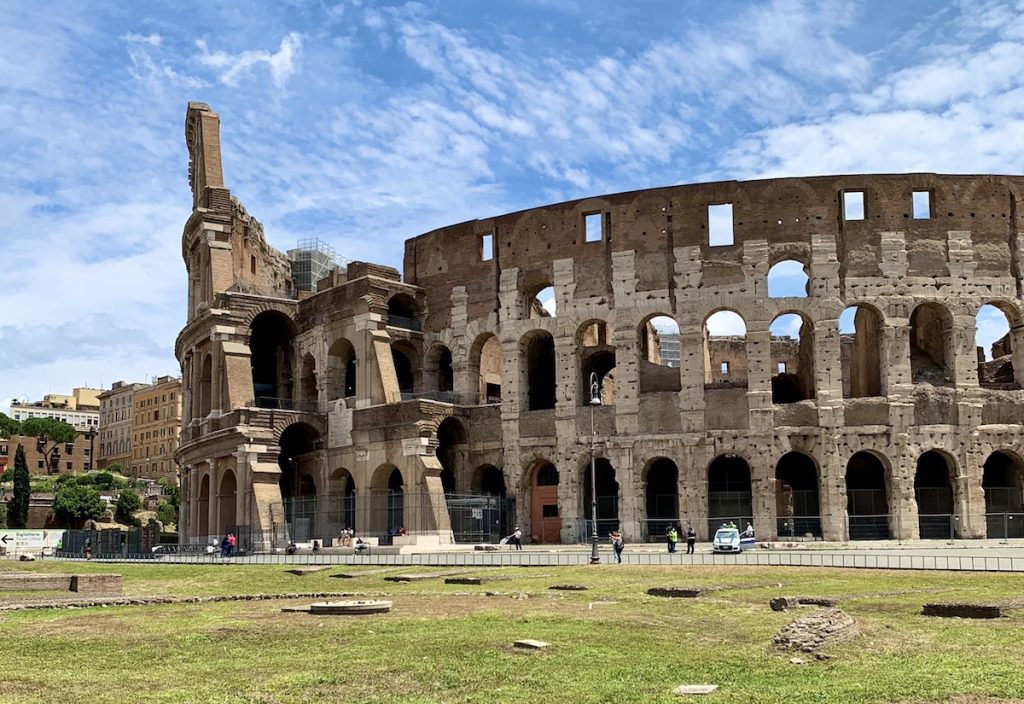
<point>17,507</point>
<point>8,426</point>
<point>75,503</point>
<point>127,504</point>
<point>173,490</point>
<point>50,432</point>
<point>104,481</point>
<point>166,513</point>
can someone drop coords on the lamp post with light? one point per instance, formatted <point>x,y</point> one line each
<point>595,400</point>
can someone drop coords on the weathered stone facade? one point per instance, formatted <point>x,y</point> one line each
<point>455,377</point>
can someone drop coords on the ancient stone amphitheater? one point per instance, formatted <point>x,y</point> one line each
<point>798,354</point>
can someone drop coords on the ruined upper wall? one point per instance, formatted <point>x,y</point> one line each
<point>783,213</point>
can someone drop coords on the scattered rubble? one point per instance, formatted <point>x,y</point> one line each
<point>820,629</point>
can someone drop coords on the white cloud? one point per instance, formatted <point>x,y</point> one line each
<point>232,67</point>
<point>151,39</point>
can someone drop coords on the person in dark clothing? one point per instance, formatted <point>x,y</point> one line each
<point>691,539</point>
<point>617,545</point>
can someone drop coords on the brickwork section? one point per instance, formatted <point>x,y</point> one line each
<point>96,584</point>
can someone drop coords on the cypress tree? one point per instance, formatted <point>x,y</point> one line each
<point>17,509</point>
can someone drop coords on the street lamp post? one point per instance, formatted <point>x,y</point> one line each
<point>595,400</point>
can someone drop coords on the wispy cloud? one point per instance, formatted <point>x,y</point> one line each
<point>232,67</point>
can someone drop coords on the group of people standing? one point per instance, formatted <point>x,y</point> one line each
<point>672,538</point>
<point>228,545</point>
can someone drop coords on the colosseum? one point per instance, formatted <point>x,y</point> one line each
<point>642,332</point>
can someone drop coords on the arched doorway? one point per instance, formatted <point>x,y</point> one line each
<point>867,500</point>
<point>1003,482</point>
<point>730,498</point>
<point>227,498</point>
<point>297,461</point>
<point>545,517</point>
<point>538,349</point>
<point>271,356</point>
<point>387,504</point>
<point>486,362</point>
<point>933,491</point>
<point>204,507</point>
<point>792,358</point>
<point>206,387</point>
<point>597,359</point>
<point>796,496</point>
<point>342,513</point>
<point>451,445</point>
<point>661,497</point>
<point>341,370</point>
<point>931,345</point>
<point>404,359</point>
<point>489,482</point>
<point>861,338</point>
<point>607,498</point>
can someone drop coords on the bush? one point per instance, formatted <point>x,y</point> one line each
<point>75,503</point>
<point>127,504</point>
<point>166,513</point>
<point>3,514</point>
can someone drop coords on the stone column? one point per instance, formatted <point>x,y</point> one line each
<point>759,377</point>
<point>691,377</point>
<point>903,520</point>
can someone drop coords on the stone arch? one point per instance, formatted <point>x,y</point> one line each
<point>792,358</point>
<point>867,496</point>
<point>789,278</point>
<point>407,367</point>
<point>204,505</point>
<point>539,301</point>
<point>206,386</point>
<point>999,338</point>
<point>486,366</point>
<point>545,510</point>
<point>658,346</point>
<point>861,336</point>
<point>439,370</point>
<point>537,350</point>
<point>607,497</point>
<point>403,312</point>
<point>342,493</point>
<point>1002,480</point>
<point>341,369</point>
<point>660,477</point>
<point>387,504</point>
<point>488,479</point>
<point>725,349</point>
<point>451,451</point>
<point>271,334</point>
<point>730,492</point>
<point>227,496</point>
<point>797,503</point>
<point>298,444</point>
<point>932,355</point>
<point>596,353</point>
<point>934,478</point>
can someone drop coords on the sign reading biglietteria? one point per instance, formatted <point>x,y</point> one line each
<point>30,540</point>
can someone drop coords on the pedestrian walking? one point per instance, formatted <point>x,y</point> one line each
<point>516,538</point>
<point>617,545</point>
<point>673,538</point>
<point>691,539</point>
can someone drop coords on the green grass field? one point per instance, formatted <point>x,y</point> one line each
<point>451,643</point>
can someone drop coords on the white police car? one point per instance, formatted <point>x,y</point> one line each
<point>727,540</point>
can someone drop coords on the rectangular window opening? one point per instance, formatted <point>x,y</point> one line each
<point>725,369</point>
<point>486,248</point>
<point>592,227</point>
<point>252,263</point>
<point>922,205</point>
<point>853,205</point>
<point>720,225</point>
<point>782,367</point>
<point>550,511</point>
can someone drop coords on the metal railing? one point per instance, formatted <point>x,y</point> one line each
<point>400,321</point>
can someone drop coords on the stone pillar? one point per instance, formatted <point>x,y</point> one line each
<point>759,377</point>
<point>828,372</point>
<point>762,487</point>
<point>903,521</point>
<point>691,374</point>
<point>627,378</point>
<point>631,496</point>
<point>832,500</point>
<point>193,504</point>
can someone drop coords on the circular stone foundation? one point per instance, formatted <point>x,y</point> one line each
<point>349,608</point>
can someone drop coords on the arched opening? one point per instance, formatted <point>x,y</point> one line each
<point>541,303</point>
<point>997,342</point>
<point>341,370</point>
<point>933,491</point>
<point>730,495</point>
<point>860,338</point>
<point>206,387</point>
<point>488,479</point>
<point>270,345</point>
<point>403,357</point>
<point>403,312</point>
<point>658,344</point>
<point>486,364</point>
<point>607,498</point>
<point>307,380</point>
<point>296,459</point>
<point>931,345</point>
<point>545,517</point>
<point>796,496</point>
<point>788,279</point>
<point>343,501</point>
<point>661,497</point>
<point>867,500</point>
<point>792,354</point>
<point>387,506</point>
<point>228,497</point>
<point>204,506</point>
<point>493,513</point>
<point>1003,483</point>
<point>440,373</point>
<point>725,350</point>
<point>597,360</point>
<point>539,354</point>
<point>451,448</point>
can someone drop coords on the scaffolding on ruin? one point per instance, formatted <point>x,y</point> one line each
<point>312,259</point>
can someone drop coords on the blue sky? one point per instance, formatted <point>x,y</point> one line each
<point>365,124</point>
